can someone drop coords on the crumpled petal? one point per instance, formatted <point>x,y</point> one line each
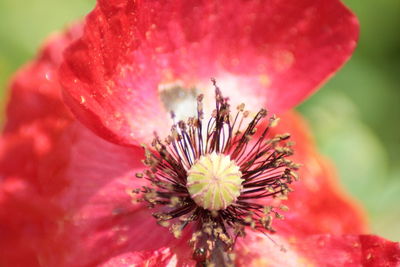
<point>272,53</point>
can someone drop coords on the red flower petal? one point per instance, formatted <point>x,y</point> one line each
<point>36,118</point>
<point>159,257</point>
<point>319,250</point>
<point>318,204</point>
<point>23,223</point>
<point>48,186</point>
<point>35,113</point>
<point>350,250</point>
<point>89,193</point>
<point>36,93</point>
<point>79,193</point>
<point>276,51</point>
<point>96,201</point>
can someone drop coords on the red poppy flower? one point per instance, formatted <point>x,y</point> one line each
<point>67,179</point>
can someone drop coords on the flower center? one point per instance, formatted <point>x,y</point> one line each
<point>214,181</point>
<point>210,174</point>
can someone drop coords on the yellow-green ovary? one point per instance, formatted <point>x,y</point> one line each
<point>214,181</point>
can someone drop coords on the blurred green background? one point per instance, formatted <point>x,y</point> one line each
<point>355,117</point>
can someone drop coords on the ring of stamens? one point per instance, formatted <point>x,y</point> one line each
<point>220,202</point>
